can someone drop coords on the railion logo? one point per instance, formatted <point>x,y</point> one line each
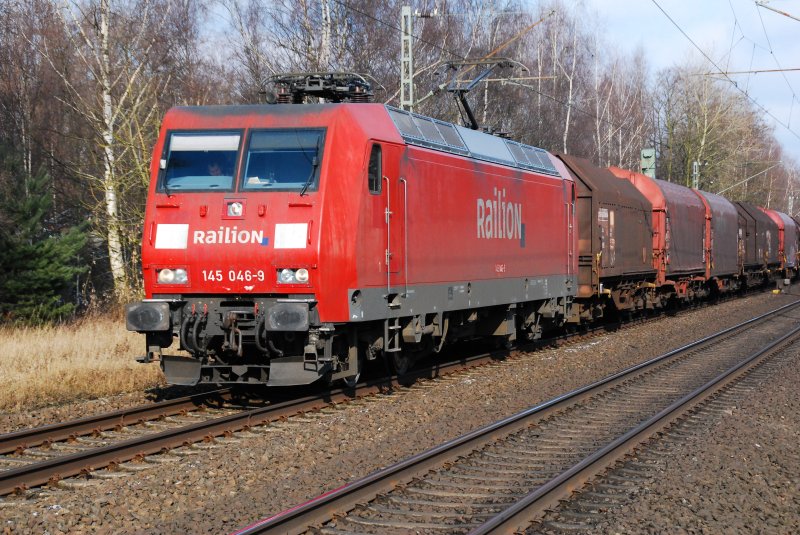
<point>500,220</point>
<point>229,235</point>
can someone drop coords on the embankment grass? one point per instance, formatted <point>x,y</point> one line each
<point>91,358</point>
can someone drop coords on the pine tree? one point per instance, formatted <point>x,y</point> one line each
<point>38,262</point>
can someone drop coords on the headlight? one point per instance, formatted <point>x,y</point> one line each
<point>172,276</point>
<point>181,277</point>
<point>286,276</point>
<point>293,276</point>
<point>235,209</point>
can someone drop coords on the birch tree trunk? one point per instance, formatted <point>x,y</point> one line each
<point>492,37</point>
<point>325,39</point>
<point>115,254</point>
<point>570,85</point>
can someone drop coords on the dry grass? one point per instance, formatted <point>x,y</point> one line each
<point>88,359</point>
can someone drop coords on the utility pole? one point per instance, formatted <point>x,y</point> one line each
<point>406,59</point>
<point>696,174</point>
<point>407,52</point>
<point>765,6</point>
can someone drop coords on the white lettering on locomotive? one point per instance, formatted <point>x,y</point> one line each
<point>498,219</point>
<point>227,235</point>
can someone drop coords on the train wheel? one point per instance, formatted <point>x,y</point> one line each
<point>352,381</point>
<point>400,362</point>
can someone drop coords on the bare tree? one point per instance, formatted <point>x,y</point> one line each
<point>251,56</point>
<point>113,47</point>
<point>703,120</point>
<point>570,77</point>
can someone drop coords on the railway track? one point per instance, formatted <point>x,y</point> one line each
<point>130,440</point>
<point>500,477</point>
<point>96,425</point>
<point>49,454</point>
<point>599,502</point>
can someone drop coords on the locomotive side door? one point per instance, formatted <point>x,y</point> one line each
<point>395,196</point>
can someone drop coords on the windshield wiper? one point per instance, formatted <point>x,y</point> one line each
<point>314,165</point>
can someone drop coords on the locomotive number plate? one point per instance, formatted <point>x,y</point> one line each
<point>233,275</point>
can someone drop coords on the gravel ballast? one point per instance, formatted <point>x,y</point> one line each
<point>238,481</point>
<point>740,475</point>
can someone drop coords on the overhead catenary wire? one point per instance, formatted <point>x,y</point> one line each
<point>492,53</point>
<point>735,85</point>
<point>720,192</point>
<point>768,49</point>
<point>736,25</point>
<point>525,86</point>
<point>775,58</point>
<point>755,71</point>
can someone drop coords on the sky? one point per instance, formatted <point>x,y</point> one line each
<point>736,34</point>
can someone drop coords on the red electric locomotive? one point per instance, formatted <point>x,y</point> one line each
<point>285,244</point>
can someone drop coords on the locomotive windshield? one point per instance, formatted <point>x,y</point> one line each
<point>284,160</point>
<point>200,161</point>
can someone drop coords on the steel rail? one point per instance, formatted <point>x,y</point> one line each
<point>14,480</point>
<point>534,504</point>
<point>52,470</point>
<point>337,501</point>
<point>27,438</point>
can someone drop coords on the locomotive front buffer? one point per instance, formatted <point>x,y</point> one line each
<point>220,333</point>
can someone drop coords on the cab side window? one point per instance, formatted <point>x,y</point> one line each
<point>374,172</point>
